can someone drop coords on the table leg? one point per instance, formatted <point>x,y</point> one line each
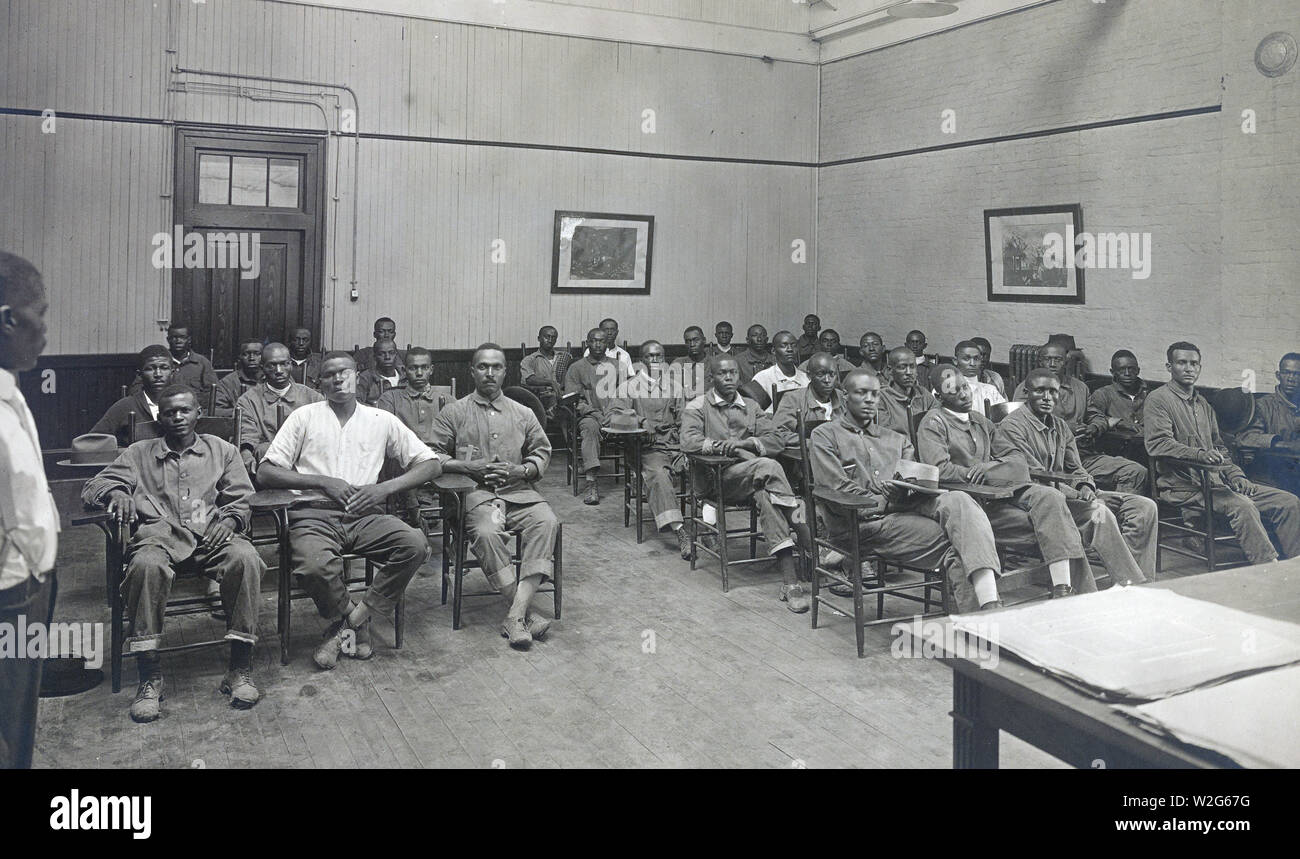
<point>286,578</point>
<point>974,744</point>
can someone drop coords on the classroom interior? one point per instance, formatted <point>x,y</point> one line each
<point>796,157</point>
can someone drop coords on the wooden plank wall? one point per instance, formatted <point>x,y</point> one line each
<point>464,132</point>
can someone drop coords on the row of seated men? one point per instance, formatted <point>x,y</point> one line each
<point>186,497</point>
<point>1103,499</point>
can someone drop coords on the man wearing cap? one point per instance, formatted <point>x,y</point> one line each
<point>29,522</point>
<point>724,423</point>
<point>854,455</point>
<point>262,409</point>
<point>187,494</point>
<point>902,400</point>
<point>960,442</point>
<point>154,368</point>
<point>245,376</point>
<point>1045,442</point>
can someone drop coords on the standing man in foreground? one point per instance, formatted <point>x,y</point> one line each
<point>29,522</point>
<point>337,447</point>
<point>499,444</point>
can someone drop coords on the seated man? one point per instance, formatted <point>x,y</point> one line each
<point>783,376</point>
<point>189,493</point>
<point>820,401</point>
<point>500,445</point>
<point>1180,423</point>
<point>829,344</point>
<point>692,369</point>
<point>854,455</point>
<point>960,444</point>
<point>722,335</point>
<point>152,373</point>
<point>386,374</point>
<point>723,423</point>
<point>756,356</point>
<point>543,371</point>
<point>1111,472</point>
<point>233,385</point>
<point>595,379</point>
<point>807,342</point>
<point>872,349</point>
<point>337,447</point>
<point>385,329</point>
<point>988,375</point>
<point>264,407</point>
<point>415,403</point>
<point>1045,442</point>
<point>1276,427</point>
<point>613,351</point>
<point>1120,403</point>
<point>970,361</point>
<point>304,366</point>
<point>902,399</point>
<point>658,399</point>
<point>189,368</point>
<point>916,342</point>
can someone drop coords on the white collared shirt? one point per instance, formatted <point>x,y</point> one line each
<point>153,407</point>
<point>29,521</point>
<point>311,442</point>
<point>981,391</point>
<point>774,380</point>
<point>619,354</point>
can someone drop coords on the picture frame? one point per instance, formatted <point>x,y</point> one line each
<point>1014,254</point>
<point>597,253</point>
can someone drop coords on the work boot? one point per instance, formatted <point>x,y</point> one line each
<point>993,604</point>
<point>537,626</point>
<point>364,649</point>
<point>238,684</point>
<point>794,599</point>
<point>684,543</point>
<point>1059,591</point>
<point>593,494</point>
<point>516,629</point>
<point>327,655</point>
<point>148,699</point>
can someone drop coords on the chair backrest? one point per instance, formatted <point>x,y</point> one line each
<point>805,465</point>
<point>225,428</point>
<point>446,393</point>
<point>755,392</point>
<point>999,411</point>
<point>914,424</point>
<point>525,397</point>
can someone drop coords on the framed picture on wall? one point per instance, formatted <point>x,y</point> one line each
<point>599,252</point>
<point>1029,254</point>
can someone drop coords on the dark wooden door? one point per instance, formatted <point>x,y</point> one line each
<point>259,190</point>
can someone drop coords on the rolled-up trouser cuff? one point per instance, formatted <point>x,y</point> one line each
<point>668,517</point>
<point>780,499</point>
<point>543,568</point>
<point>247,638</point>
<point>784,544</point>
<point>142,643</point>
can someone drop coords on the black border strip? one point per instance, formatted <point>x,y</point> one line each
<point>588,150</point>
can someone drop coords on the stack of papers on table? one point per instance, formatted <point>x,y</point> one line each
<point>1137,644</point>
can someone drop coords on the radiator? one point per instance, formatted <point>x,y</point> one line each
<point>1023,359</point>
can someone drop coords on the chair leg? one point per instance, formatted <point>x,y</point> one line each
<point>118,638</point>
<point>456,590</point>
<point>753,531</point>
<point>855,576</point>
<point>446,558</point>
<point>722,527</point>
<point>399,621</point>
<point>559,568</point>
<point>695,521</point>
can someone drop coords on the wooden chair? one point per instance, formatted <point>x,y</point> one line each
<point>610,452</point>
<point>850,506</point>
<point>708,491</point>
<point>224,428</point>
<point>455,555</point>
<point>1197,520</point>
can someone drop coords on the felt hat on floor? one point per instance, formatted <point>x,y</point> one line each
<point>92,450</point>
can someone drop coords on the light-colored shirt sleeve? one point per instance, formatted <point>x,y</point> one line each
<point>402,444</point>
<point>287,444</point>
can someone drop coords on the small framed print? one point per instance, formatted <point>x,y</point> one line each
<point>598,252</point>
<point>1019,258</point>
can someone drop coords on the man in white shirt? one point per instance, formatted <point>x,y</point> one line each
<point>29,522</point>
<point>337,448</point>
<point>613,350</point>
<point>782,376</point>
<point>970,360</point>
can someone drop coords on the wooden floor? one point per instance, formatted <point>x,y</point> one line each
<point>651,666</point>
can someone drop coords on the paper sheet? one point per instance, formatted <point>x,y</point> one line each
<point>1138,644</point>
<point>1254,720</point>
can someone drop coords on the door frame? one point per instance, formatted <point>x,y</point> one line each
<point>310,220</point>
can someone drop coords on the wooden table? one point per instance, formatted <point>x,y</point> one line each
<point>1080,729</point>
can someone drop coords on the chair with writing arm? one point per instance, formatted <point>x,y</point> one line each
<point>849,547</point>
<point>1193,522</point>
